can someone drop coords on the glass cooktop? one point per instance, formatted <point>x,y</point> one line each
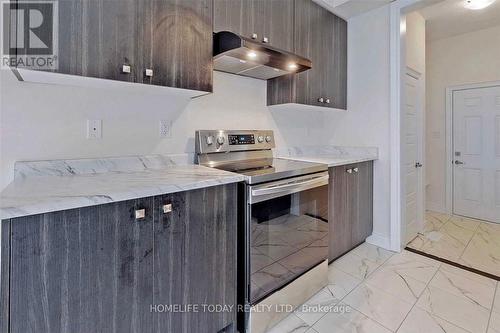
<point>265,170</point>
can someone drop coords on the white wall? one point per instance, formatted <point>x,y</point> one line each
<point>49,122</point>
<point>367,122</point>
<point>463,59</point>
<point>415,42</point>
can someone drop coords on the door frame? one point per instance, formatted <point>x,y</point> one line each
<point>398,11</point>
<point>449,135</point>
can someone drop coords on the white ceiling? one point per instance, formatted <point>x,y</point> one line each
<point>449,18</point>
<point>349,8</point>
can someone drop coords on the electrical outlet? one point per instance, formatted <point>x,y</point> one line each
<point>165,128</point>
<point>94,129</point>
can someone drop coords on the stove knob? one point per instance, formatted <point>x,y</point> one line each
<point>268,138</point>
<point>210,140</point>
<point>260,139</point>
<point>220,140</point>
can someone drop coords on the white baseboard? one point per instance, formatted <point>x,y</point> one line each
<point>380,241</point>
<point>438,208</point>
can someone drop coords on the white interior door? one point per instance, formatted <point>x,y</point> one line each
<point>412,165</point>
<point>476,144</point>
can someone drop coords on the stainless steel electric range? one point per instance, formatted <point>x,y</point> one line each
<point>283,230</point>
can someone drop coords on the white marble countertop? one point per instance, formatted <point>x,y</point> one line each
<point>29,195</point>
<point>48,186</point>
<point>330,155</point>
<point>332,161</point>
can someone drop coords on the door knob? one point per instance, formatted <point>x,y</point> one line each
<point>418,165</point>
<point>457,162</point>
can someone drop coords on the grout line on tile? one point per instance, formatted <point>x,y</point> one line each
<point>324,314</point>
<point>470,240</point>
<point>492,307</point>
<point>415,303</point>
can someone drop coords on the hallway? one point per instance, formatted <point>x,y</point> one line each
<point>468,242</point>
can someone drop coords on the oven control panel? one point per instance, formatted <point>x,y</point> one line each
<point>217,141</point>
<point>241,139</point>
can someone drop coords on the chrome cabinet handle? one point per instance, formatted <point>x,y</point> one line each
<point>457,162</point>
<point>327,101</point>
<point>167,208</point>
<point>356,170</point>
<point>265,40</point>
<point>140,214</point>
<point>321,100</point>
<point>254,36</point>
<point>149,72</point>
<point>349,170</point>
<point>126,69</point>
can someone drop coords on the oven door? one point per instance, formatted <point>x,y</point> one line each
<point>288,231</point>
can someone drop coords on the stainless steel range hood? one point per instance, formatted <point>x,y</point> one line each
<point>244,56</point>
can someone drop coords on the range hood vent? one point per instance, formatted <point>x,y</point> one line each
<point>244,56</point>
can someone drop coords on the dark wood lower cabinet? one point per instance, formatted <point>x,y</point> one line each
<point>82,270</point>
<point>195,260</point>
<point>351,207</point>
<point>99,269</point>
<point>362,208</point>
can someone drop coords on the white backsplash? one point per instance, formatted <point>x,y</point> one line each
<point>329,151</point>
<point>101,165</point>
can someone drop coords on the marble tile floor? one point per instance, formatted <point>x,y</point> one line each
<point>468,242</point>
<point>372,290</point>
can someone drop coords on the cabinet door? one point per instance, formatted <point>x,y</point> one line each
<point>4,271</point>
<point>313,30</point>
<point>83,270</point>
<point>336,81</point>
<point>322,37</point>
<point>176,41</point>
<point>362,210</point>
<point>98,37</point>
<point>270,19</point>
<point>195,258</point>
<point>238,16</point>
<point>340,212</point>
<point>276,23</point>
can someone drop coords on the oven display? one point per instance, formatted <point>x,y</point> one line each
<point>242,139</point>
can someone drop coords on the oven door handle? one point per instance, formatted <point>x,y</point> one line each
<point>291,188</point>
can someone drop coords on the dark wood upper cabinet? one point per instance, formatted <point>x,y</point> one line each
<point>160,42</point>
<point>351,207</point>
<point>96,38</point>
<point>271,21</point>
<point>321,37</point>
<point>176,41</point>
